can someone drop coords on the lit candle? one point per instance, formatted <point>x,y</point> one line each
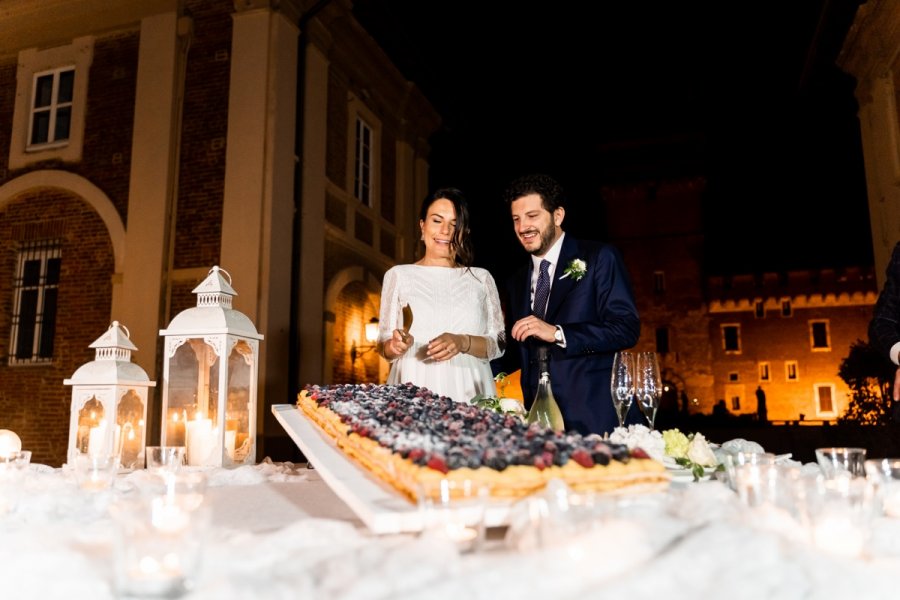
<point>230,437</point>
<point>155,575</point>
<point>201,438</point>
<point>131,446</point>
<point>175,428</point>
<point>96,474</point>
<point>97,440</point>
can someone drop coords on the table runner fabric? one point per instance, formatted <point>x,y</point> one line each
<point>279,533</point>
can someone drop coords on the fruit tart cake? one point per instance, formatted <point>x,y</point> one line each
<point>412,438</point>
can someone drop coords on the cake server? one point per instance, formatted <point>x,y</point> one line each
<point>407,321</point>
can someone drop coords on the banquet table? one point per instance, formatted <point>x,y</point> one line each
<point>278,531</point>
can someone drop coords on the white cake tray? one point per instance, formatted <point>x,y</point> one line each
<point>382,508</point>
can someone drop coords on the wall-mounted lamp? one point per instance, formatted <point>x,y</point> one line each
<point>371,336</point>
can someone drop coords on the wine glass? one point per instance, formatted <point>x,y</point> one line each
<point>648,385</point>
<point>622,384</point>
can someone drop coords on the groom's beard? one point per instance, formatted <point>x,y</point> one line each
<point>548,237</point>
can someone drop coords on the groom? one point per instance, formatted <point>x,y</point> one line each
<point>574,297</point>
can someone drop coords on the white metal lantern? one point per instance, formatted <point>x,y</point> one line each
<point>109,402</point>
<point>210,371</point>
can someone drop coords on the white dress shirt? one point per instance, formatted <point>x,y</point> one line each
<point>552,256</point>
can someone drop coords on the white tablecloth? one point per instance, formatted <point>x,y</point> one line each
<point>278,532</point>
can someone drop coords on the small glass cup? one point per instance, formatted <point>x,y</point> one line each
<point>884,475</point>
<point>168,459</point>
<point>13,470</point>
<point>159,537</point>
<point>732,461</point>
<point>95,472</point>
<point>836,461</point>
<point>841,514</point>
<point>454,510</point>
<point>18,460</point>
<point>756,478</point>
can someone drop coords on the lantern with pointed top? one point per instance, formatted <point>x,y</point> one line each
<point>109,402</point>
<point>210,369</point>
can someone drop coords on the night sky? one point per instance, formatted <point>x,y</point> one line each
<point>593,93</point>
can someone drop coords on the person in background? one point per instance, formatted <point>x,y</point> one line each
<point>572,296</point>
<point>720,412</point>
<point>762,411</point>
<point>457,325</point>
<point>884,328</point>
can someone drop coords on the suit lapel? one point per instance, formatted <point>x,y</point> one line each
<point>561,287</point>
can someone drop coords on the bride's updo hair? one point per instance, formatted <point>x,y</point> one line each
<point>462,242</point>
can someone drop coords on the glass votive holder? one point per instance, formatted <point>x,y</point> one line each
<point>17,460</point>
<point>755,477</point>
<point>454,510</point>
<point>159,539</point>
<point>95,472</point>
<point>834,461</point>
<point>13,470</point>
<point>841,515</point>
<point>164,459</point>
<point>731,461</point>
<point>884,475</point>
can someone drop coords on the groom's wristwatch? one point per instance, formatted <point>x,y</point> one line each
<point>557,335</point>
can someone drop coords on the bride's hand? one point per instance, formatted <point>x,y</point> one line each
<point>445,346</point>
<point>398,344</point>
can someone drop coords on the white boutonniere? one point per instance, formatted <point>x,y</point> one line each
<point>576,269</point>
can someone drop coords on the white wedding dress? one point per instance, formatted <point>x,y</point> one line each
<point>443,300</point>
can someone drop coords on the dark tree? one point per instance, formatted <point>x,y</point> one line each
<point>870,377</point>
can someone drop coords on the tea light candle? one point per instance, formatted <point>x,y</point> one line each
<point>201,440</point>
<point>155,576</point>
<point>96,479</point>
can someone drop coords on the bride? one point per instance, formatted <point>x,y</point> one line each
<point>457,325</point>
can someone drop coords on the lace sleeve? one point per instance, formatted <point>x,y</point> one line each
<point>496,330</point>
<point>390,306</point>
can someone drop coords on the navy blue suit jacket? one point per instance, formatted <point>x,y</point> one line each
<point>884,328</point>
<point>598,318</point>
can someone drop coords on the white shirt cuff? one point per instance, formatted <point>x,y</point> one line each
<point>895,351</point>
<point>562,343</point>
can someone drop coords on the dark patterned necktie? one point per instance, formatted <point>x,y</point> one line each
<point>542,290</point>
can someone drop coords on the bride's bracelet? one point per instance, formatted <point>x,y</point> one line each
<point>468,344</point>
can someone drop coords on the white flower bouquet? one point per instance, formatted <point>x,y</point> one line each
<point>671,447</point>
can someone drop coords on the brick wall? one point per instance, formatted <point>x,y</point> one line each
<point>109,121</point>
<point>7,101</point>
<point>198,229</point>
<point>33,400</point>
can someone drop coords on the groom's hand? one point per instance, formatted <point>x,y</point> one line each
<point>531,326</point>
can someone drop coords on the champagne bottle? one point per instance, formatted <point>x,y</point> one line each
<point>544,409</point>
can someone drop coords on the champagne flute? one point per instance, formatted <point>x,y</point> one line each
<point>622,384</point>
<point>648,385</point>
